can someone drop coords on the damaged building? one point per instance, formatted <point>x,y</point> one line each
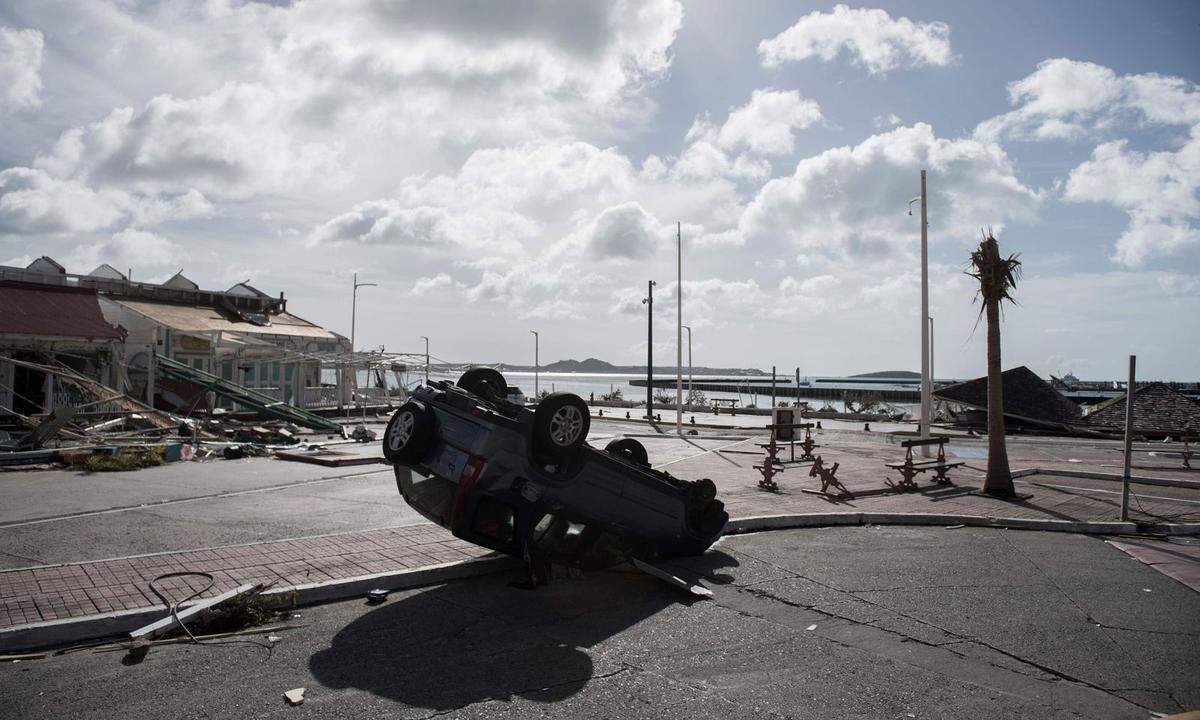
<point>112,330</point>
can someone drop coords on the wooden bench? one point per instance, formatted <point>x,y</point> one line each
<point>910,467</point>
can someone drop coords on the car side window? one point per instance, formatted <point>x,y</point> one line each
<point>495,520</point>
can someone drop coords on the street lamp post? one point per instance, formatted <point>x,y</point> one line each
<point>536,341</point>
<point>679,329</point>
<point>353,329</point>
<point>689,395</point>
<point>354,307</point>
<point>926,382</point>
<point>648,301</point>
<point>426,358</point>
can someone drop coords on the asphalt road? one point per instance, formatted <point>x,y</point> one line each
<point>828,623</point>
<point>59,516</point>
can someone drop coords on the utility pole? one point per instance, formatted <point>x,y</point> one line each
<point>648,301</point>
<point>353,374</point>
<point>536,340</point>
<point>679,328</point>
<point>774,402</point>
<point>689,395</point>
<point>926,381</point>
<point>932,373</point>
<point>1128,439</point>
<point>354,307</point>
<point>426,358</point>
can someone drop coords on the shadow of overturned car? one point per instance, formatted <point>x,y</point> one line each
<point>454,645</point>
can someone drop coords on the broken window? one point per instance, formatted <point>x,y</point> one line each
<point>432,496</point>
<point>495,520</point>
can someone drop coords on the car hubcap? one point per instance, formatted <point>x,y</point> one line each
<point>566,425</point>
<point>403,430</point>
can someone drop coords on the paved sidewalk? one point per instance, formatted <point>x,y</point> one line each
<point>862,470</point>
<point>74,590</point>
<point>81,589</point>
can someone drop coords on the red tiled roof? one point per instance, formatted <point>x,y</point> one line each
<point>33,309</point>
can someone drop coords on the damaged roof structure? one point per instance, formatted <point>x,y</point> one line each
<point>38,320</point>
<point>1157,411</point>
<point>1027,398</point>
<point>98,360</point>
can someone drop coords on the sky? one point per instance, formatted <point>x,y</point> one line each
<point>497,168</point>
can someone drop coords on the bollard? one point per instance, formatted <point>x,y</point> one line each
<point>867,427</point>
<point>601,412</point>
<point>818,424</point>
<point>693,420</point>
<point>626,414</point>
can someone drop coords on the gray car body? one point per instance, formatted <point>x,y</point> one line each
<point>646,508</point>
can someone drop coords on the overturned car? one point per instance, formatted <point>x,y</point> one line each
<point>525,482</point>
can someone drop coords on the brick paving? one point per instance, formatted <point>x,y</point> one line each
<point>64,591</point>
<point>862,470</point>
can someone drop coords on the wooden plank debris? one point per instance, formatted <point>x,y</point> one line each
<point>670,579</point>
<point>158,627</point>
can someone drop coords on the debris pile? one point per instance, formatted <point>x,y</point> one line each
<point>98,429</point>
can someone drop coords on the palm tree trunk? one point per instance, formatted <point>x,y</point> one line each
<point>999,477</point>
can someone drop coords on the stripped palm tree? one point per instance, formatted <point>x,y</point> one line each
<point>997,278</point>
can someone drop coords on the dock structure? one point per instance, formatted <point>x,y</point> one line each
<point>887,389</point>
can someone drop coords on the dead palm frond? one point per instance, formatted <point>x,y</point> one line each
<point>997,275</point>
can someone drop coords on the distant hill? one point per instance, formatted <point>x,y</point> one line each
<point>603,367</point>
<point>907,374</point>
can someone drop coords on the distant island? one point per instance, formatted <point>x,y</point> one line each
<point>596,366</point>
<point>906,374</point>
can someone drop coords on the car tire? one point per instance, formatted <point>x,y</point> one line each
<point>560,424</point>
<point>409,434</point>
<point>629,449</point>
<point>703,491</point>
<point>487,383</point>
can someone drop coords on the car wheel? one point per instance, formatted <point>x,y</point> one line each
<point>629,449</point>
<point>487,383</point>
<point>409,434</point>
<point>560,424</point>
<point>704,491</point>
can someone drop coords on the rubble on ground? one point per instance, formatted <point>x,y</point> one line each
<point>102,430</point>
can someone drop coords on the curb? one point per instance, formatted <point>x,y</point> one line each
<point>92,627</point>
<point>74,630</point>
<point>760,523</point>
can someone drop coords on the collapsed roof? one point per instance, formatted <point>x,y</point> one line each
<point>1156,409</point>
<point>1026,397</point>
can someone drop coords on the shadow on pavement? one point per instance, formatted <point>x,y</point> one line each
<point>467,642</point>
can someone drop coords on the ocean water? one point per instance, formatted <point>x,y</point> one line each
<point>587,385</point>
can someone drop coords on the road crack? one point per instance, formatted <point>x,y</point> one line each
<point>1058,675</point>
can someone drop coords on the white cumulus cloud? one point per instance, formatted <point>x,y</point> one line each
<point>849,202</point>
<point>153,255</point>
<point>766,124</point>
<point>1158,190</point>
<point>20,68</point>
<point>871,37</point>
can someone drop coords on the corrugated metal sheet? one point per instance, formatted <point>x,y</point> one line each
<point>208,319</point>
<point>27,309</point>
